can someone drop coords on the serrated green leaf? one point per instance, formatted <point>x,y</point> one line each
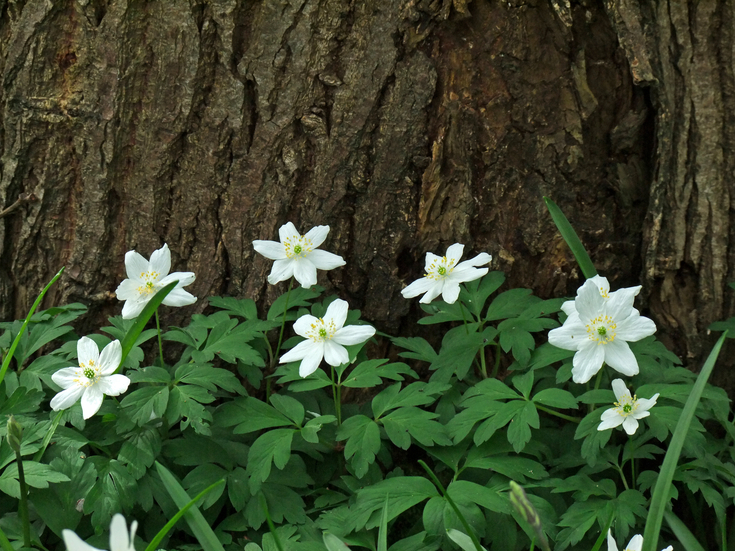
<point>363,442</point>
<point>249,415</point>
<point>556,398</point>
<point>403,423</point>
<point>209,377</point>
<point>140,450</point>
<point>37,475</point>
<point>419,349</point>
<point>403,493</point>
<point>272,447</point>
<point>185,404</point>
<point>289,407</point>
<point>505,413</point>
<point>297,298</point>
<point>415,394</point>
<point>510,304</point>
<point>146,403</point>
<point>476,295</point>
<point>371,373</point>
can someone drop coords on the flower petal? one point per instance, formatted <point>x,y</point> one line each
<point>450,292</point>
<point>302,350</point>
<point>620,389</point>
<point>311,362</point>
<point>282,270</point>
<point>288,231</point>
<point>568,307</point>
<point>630,424</point>
<point>110,358</point>
<point>304,272</point>
<point>610,419</point>
<point>161,261</point>
<point>133,308</point>
<point>113,385</point>
<point>454,253</point>
<point>611,545</point>
<point>183,278</point>
<point>128,289</point>
<point>179,297</point>
<point>620,357</point>
<point>302,325</point>
<point>635,327</point>
<point>417,287</point>
<point>353,334</point>
<point>317,235</point>
<point>586,362</point>
<point>431,258</point>
<point>135,265</point>
<point>66,398</point>
<point>324,260</point>
<point>432,293</point>
<point>479,260</point>
<point>87,350</point>
<point>120,540</point>
<point>66,377</point>
<point>635,543</point>
<point>335,354</point>
<point>462,275</point>
<point>602,284</point>
<point>569,336</point>
<point>589,301</point>
<point>91,401</point>
<point>620,304</point>
<point>644,404</point>
<point>272,250</point>
<point>75,543</point>
<point>336,313</point>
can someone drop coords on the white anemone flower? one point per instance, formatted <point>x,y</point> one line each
<point>635,544</point>
<point>599,327</point>
<point>325,338</point>
<point>297,255</point>
<point>443,275</point>
<point>146,278</point>
<point>120,539</point>
<point>94,377</point>
<point>628,409</point>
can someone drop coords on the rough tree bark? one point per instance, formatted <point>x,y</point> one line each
<point>406,125</point>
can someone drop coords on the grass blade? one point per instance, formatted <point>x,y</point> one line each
<point>572,239</point>
<point>660,496</point>
<point>682,533</point>
<point>9,356</point>
<point>383,530</point>
<point>194,518</point>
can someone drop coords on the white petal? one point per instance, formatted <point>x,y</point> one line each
<point>87,350</point>
<point>479,260</point>
<point>644,404</point>
<point>431,258</point>
<point>335,354</point>
<point>113,385</point>
<point>568,307</point>
<point>128,289</point>
<point>324,260</point>
<point>135,265</point>
<point>161,261</point>
<point>587,362</point>
<point>178,298</point>
<point>417,287</point>
<point>75,543</point>
<point>183,278</point>
<point>610,419</point>
<point>630,424</point>
<point>635,327</point>
<point>119,537</point>
<point>311,362</point>
<point>602,284</point>
<point>611,545</point>
<point>336,313</point>
<point>302,325</point>
<point>620,357</point>
<point>454,253</point>
<point>66,377</point>
<point>66,398</point>
<point>620,304</point>
<point>91,401</point>
<point>432,293</point>
<point>304,272</point>
<point>133,308</point>
<point>282,270</point>
<point>317,235</point>
<point>288,231</point>
<point>589,302</point>
<point>450,292</point>
<point>569,336</point>
<point>110,358</point>
<point>462,275</point>
<point>635,544</point>
<point>301,351</point>
<point>353,334</point>
<point>272,250</point>
<point>620,389</point>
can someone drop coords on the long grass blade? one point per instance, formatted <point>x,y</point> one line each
<point>194,518</point>
<point>383,530</point>
<point>572,239</point>
<point>661,491</point>
<point>682,533</point>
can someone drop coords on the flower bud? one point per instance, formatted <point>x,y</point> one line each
<point>528,512</point>
<point>15,434</point>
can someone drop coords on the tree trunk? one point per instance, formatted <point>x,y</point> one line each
<point>406,125</point>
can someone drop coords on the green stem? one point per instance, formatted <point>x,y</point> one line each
<point>446,496</point>
<point>49,435</point>
<point>557,414</point>
<point>5,542</point>
<point>483,367</point>
<point>592,405</point>
<point>23,502</point>
<point>496,367</point>
<point>160,345</point>
<point>283,323</point>
<point>632,461</point>
<point>464,319</point>
<point>264,505</point>
<point>337,396</point>
<point>622,476</point>
<point>9,355</point>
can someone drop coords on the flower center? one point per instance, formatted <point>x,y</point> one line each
<point>149,280</point>
<point>298,247</point>
<point>626,406</point>
<point>601,329</point>
<point>440,268</point>
<point>89,373</point>
<point>321,331</point>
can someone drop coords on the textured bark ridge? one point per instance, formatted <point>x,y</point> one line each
<point>406,125</point>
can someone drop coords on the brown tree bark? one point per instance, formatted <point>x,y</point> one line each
<point>406,125</point>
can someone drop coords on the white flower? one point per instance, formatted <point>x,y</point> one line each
<point>443,275</point>
<point>635,544</point>
<point>628,409</point>
<point>297,255</point>
<point>324,339</point>
<point>120,540</point>
<point>92,379</point>
<point>146,278</point>
<point>598,326</point>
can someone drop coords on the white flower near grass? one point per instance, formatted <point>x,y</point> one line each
<point>298,255</point>
<point>94,377</point>
<point>598,327</point>
<point>628,409</point>
<point>444,274</point>
<point>120,539</point>
<point>325,338</point>
<point>146,278</point>
<point>635,544</point>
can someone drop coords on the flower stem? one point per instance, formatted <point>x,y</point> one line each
<point>283,323</point>
<point>496,367</point>
<point>483,367</point>
<point>337,396</point>
<point>632,461</point>
<point>464,319</point>
<point>557,414</point>
<point>160,344</point>
<point>23,502</point>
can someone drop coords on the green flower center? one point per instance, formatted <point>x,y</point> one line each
<point>602,331</point>
<point>627,408</point>
<point>442,271</point>
<point>89,373</point>
<point>149,285</point>
<point>323,333</point>
<point>297,249</point>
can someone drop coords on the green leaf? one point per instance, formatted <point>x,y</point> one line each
<point>209,377</point>
<point>510,304</point>
<point>249,415</point>
<point>371,373</point>
<point>419,349</point>
<point>402,493</point>
<point>682,533</point>
<point>405,422</point>
<point>113,491</point>
<point>185,404</point>
<point>363,442</point>
<point>556,398</point>
<point>37,475</point>
<point>202,477</point>
<point>415,394</point>
<point>441,312</point>
<point>297,298</point>
<point>493,499</point>
<point>140,450</point>
<point>272,447</point>
<point>463,540</point>
<point>458,351</point>
<point>244,308</point>
<point>505,413</point>
<point>476,295</point>
<point>289,407</point>
<point>333,543</point>
<point>571,238</point>
<point>519,430</point>
<point>146,402</point>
